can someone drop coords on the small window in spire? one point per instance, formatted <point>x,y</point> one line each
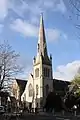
<point>38,47</point>
<point>44,45</point>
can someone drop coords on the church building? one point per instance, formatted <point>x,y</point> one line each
<point>40,81</point>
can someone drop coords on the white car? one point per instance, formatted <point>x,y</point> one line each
<point>2,110</point>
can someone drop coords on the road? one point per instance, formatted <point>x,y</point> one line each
<point>49,117</point>
<point>40,117</point>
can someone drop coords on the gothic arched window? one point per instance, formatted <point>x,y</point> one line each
<point>30,89</point>
<point>37,72</point>
<point>46,72</point>
<point>37,90</point>
<point>47,89</point>
<point>24,97</point>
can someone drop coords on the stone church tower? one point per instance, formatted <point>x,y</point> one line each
<point>42,69</point>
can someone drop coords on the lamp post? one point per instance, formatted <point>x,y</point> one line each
<point>8,104</point>
<point>75,109</point>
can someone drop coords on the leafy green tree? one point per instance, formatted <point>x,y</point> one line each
<point>75,84</point>
<point>76,80</point>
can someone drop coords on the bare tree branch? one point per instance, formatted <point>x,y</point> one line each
<point>75,4</point>
<point>73,10</point>
<point>9,65</point>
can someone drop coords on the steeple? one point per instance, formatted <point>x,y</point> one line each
<point>42,47</point>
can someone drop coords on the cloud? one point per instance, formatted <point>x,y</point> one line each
<point>6,5</point>
<point>24,28</point>
<point>3,8</point>
<point>68,71</point>
<point>19,7</point>
<point>30,30</point>
<point>33,8</point>
<point>55,5</point>
<point>62,72</point>
<point>61,7</point>
<point>55,34</point>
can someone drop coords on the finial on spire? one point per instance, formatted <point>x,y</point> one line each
<point>41,18</point>
<point>42,14</point>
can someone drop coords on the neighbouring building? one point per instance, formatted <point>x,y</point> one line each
<point>18,88</point>
<point>61,87</point>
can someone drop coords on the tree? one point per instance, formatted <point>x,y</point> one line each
<point>73,15</point>
<point>9,66</point>
<point>53,101</point>
<point>76,80</point>
<point>76,85</point>
<point>72,97</point>
<point>73,7</point>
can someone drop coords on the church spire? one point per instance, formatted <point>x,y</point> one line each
<point>42,47</point>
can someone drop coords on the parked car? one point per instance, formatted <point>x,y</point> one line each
<point>2,109</point>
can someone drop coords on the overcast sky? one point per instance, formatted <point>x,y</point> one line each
<point>19,24</point>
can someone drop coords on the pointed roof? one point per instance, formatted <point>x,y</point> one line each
<point>22,84</point>
<point>42,47</point>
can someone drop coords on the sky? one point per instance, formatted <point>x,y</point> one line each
<point>19,25</point>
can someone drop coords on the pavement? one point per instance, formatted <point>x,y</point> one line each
<point>46,116</point>
<point>39,116</point>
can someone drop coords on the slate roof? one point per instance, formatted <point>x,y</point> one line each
<point>60,84</point>
<point>22,84</point>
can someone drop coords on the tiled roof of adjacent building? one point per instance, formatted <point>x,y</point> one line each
<point>60,84</point>
<point>22,84</point>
